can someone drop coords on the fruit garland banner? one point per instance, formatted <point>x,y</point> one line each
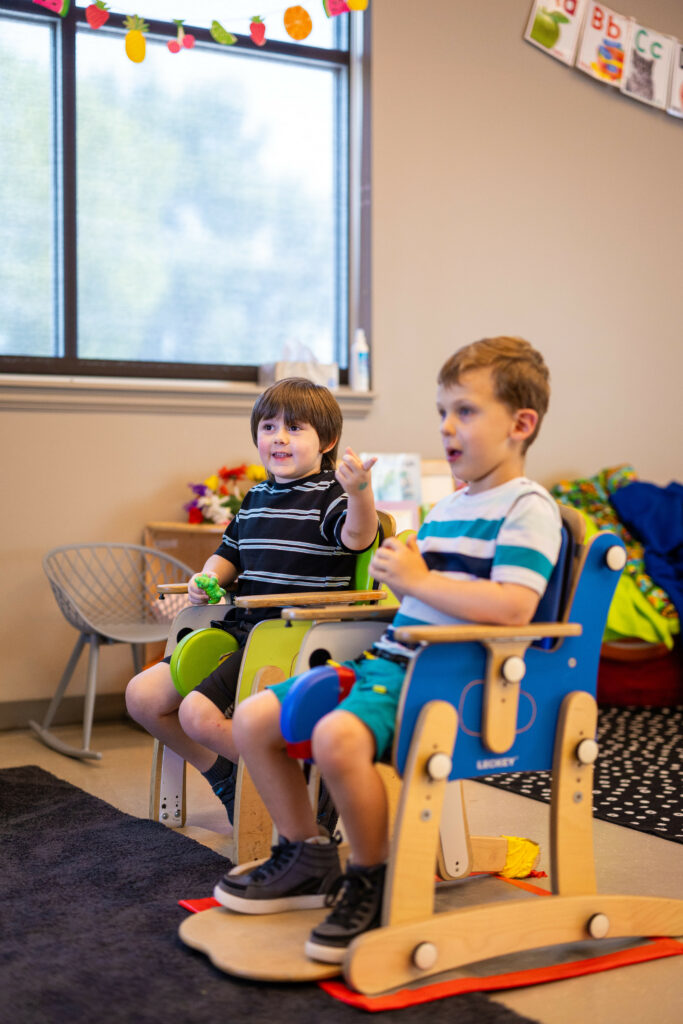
<point>612,48</point>
<point>296,19</point>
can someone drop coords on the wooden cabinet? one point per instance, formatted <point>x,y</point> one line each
<point>190,543</point>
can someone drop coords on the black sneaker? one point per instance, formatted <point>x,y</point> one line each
<point>225,790</point>
<point>358,909</point>
<point>297,876</point>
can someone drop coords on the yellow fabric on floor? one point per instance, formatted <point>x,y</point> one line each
<point>521,857</point>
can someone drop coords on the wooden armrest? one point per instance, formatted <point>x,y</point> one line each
<point>316,598</point>
<point>459,634</point>
<point>181,588</point>
<point>340,611</point>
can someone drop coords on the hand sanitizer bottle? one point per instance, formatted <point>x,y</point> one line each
<point>359,363</point>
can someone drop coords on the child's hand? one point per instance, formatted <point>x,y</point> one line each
<point>195,593</point>
<point>352,474</point>
<point>399,565</point>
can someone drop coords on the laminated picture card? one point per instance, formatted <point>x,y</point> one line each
<point>647,68</point>
<point>675,106</point>
<point>555,26</point>
<point>396,476</point>
<point>604,44</point>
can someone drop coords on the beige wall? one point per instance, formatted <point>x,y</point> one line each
<point>510,194</point>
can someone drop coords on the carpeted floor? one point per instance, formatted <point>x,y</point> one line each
<point>638,773</point>
<point>88,905</point>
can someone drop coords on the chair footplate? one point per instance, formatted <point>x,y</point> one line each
<point>267,947</point>
<point>386,958</point>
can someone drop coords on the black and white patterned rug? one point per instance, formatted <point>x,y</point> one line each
<point>638,778</point>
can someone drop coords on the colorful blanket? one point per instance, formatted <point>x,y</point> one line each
<point>592,496</point>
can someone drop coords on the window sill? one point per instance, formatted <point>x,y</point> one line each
<point>120,394</point>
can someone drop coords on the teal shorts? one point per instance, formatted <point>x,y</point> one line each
<point>373,698</point>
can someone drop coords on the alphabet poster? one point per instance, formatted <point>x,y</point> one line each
<point>604,44</point>
<point>648,66</point>
<point>555,25</point>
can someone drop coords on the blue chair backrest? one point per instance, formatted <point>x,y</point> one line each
<point>456,672</point>
<point>554,600</point>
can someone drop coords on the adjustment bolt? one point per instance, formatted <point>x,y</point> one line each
<point>164,816</point>
<point>513,669</point>
<point>424,956</point>
<point>439,766</point>
<point>598,926</point>
<point>587,751</point>
<point>615,558</point>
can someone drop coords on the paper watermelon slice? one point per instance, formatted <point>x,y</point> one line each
<point>58,6</point>
<point>335,7</point>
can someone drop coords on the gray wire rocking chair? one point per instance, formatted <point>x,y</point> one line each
<point>108,592</point>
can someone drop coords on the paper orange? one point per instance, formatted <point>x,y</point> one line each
<point>298,22</point>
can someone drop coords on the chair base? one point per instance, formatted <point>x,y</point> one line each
<point>388,958</point>
<point>47,737</point>
<point>235,943</point>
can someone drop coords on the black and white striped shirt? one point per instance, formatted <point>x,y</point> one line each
<point>287,537</point>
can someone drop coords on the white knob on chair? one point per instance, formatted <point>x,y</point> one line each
<point>513,669</point>
<point>587,751</point>
<point>439,766</point>
<point>615,558</point>
<point>598,926</point>
<point>424,955</point>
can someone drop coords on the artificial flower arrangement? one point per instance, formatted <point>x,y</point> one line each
<point>219,498</point>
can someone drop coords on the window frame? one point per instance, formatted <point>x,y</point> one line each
<point>356,62</point>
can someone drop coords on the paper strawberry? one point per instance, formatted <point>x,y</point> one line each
<point>258,31</point>
<point>97,14</point>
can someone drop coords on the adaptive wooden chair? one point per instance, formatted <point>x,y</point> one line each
<point>275,650</point>
<point>477,701</point>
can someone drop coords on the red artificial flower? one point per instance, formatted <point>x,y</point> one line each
<point>234,473</point>
<point>194,515</point>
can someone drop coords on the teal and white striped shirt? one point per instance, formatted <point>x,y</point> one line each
<point>510,534</point>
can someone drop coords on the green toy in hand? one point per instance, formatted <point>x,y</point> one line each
<point>212,587</point>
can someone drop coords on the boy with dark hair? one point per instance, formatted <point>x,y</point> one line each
<point>300,530</point>
<point>484,554</point>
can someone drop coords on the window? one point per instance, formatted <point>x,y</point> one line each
<point>193,215</point>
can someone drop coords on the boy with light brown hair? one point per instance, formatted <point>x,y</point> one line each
<point>484,554</point>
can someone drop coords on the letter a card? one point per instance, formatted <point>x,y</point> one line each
<point>604,44</point>
<point>555,26</point>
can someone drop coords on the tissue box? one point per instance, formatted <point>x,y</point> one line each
<point>326,374</point>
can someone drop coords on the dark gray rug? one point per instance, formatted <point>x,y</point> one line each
<point>638,775</point>
<point>89,919</point>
